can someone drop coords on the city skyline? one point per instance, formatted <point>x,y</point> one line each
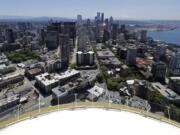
<point>124,9</point>
<point>111,54</point>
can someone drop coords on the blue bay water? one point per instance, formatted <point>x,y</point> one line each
<point>169,36</point>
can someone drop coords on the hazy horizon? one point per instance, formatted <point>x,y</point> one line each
<point>120,9</point>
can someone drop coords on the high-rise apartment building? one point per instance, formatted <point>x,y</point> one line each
<point>159,72</point>
<point>64,49</point>
<point>174,65</point>
<point>131,55</point>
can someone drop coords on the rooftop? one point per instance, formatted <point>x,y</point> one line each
<point>34,71</point>
<point>175,78</point>
<point>2,66</point>
<point>11,76</point>
<point>112,60</point>
<point>97,91</point>
<point>106,53</point>
<point>9,100</point>
<point>59,92</point>
<point>48,79</point>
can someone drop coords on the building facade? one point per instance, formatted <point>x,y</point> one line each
<point>131,56</point>
<point>174,65</point>
<point>159,71</point>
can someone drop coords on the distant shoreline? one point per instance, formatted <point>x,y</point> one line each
<point>160,30</point>
<point>158,37</point>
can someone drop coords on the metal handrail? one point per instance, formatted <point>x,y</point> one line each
<point>45,110</point>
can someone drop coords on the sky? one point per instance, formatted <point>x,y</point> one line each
<point>121,9</point>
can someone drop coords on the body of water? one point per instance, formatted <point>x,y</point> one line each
<point>169,36</point>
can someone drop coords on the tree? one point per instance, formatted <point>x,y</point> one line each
<point>99,78</point>
<point>73,65</point>
<point>156,97</point>
<point>104,68</point>
<point>22,55</point>
<point>174,113</point>
<point>111,84</point>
